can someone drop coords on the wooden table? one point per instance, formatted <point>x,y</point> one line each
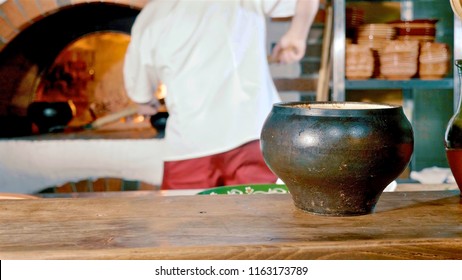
<point>405,225</point>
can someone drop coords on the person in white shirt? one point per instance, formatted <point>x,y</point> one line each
<point>211,57</point>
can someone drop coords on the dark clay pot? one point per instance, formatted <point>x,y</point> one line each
<point>159,122</point>
<point>47,115</point>
<point>336,158</point>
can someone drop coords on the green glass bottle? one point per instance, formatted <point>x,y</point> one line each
<point>453,136</point>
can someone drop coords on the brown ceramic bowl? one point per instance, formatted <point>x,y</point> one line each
<point>433,71</point>
<point>416,23</point>
<point>410,31</point>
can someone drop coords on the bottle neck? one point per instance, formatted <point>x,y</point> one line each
<point>458,64</point>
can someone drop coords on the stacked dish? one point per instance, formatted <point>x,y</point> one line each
<point>423,30</point>
<point>375,35</point>
<point>354,17</point>
<point>433,60</point>
<point>398,60</point>
<point>359,62</point>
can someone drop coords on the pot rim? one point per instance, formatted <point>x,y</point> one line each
<point>337,108</point>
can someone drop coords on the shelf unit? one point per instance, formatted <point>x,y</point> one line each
<point>446,83</point>
<point>340,84</point>
<point>411,89</point>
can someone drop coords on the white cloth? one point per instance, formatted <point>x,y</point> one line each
<point>433,175</point>
<point>31,166</point>
<point>211,55</point>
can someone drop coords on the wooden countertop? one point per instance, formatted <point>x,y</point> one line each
<point>405,225</point>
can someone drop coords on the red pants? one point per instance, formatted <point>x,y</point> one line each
<point>243,165</point>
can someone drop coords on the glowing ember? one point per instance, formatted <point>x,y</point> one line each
<point>138,119</point>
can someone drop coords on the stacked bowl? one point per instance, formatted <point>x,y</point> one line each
<point>354,17</point>
<point>433,60</point>
<point>375,35</point>
<point>398,60</point>
<point>423,30</point>
<point>359,62</point>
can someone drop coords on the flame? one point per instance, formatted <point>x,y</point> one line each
<point>161,91</point>
<point>138,119</point>
<point>73,107</point>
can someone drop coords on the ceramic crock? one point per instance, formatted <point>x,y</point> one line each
<point>336,158</point>
<point>47,115</point>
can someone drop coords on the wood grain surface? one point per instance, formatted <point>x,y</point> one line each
<point>405,225</point>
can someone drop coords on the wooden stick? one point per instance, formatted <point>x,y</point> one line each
<point>131,110</point>
<point>322,90</point>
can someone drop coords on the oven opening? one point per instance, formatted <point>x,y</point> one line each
<point>67,66</point>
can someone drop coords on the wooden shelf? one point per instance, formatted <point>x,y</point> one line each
<point>446,83</point>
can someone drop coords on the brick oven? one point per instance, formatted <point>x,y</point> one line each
<point>35,36</point>
<point>43,56</point>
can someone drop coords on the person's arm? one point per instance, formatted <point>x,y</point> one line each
<point>291,47</point>
<point>139,82</point>
<point>149,108</point>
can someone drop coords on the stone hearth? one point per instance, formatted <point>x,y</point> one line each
<point>36,38</point>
